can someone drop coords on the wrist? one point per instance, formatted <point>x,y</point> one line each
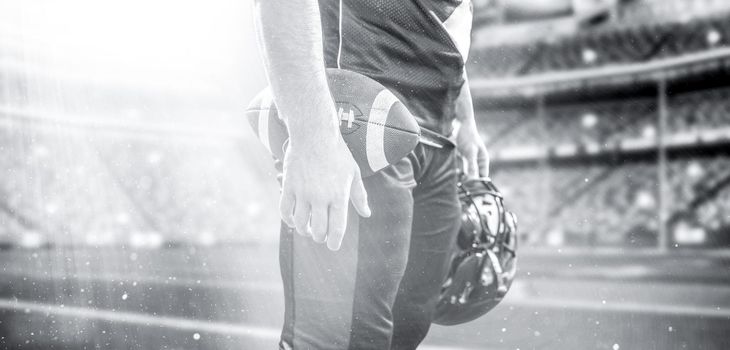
<point>467,121</point>
<point>314,134</point>
<point>464,126</point>
<point>312,120</point>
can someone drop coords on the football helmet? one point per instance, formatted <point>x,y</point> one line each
<point>484,261</point>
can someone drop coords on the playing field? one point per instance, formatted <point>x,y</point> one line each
<point>231,298</point>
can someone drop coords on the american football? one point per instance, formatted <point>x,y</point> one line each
<point>377,128</point>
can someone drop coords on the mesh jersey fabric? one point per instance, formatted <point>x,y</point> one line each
<point>403,45</point>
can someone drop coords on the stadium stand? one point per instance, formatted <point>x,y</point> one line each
<point>698,111</point>
<point>633,13</point>
<point>606,121</point>
<point>612,46</point>
<point>598,164</point>
<point>600,204</point>
<point>103,187</point>
<point>96,190</point>
<point>581,205</point>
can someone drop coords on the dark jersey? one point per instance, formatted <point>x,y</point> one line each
<point>413,47</point>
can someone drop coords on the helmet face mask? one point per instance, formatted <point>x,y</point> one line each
<point>483,264</point>
<point>491,212</point>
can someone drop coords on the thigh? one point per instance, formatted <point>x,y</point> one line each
<point>343,299</point>
<point>436,214</point>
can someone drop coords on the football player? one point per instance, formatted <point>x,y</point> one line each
<point>363,260</point>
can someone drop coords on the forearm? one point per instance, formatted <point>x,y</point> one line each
<point>290,37</point>
<point>469,142</point>
<point>464,107</point>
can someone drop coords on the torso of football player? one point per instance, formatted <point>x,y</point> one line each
<point>416,48</point>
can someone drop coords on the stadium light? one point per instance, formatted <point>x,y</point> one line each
<point>649,132</point>
<point>589,56</point>
<point>694,170</point>
<point>31,240</point>
<point>713,37</point>
<point>206,239</point>
<point>645,200</point>
<point>154,157</point>
<point>51,208</point>
<point>589,120</point>
<point>99,239</point>
<point>687,234</point>
<point>146,240</point>
<point>38,150</point>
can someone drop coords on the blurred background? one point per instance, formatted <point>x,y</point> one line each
<point>138,211</point>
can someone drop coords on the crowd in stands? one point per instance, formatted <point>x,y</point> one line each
<point>599,203</point>
<point>592,48</point>
<point>99,190</point>
<point>713,214</point>
<point>707,109</point>
<point>75,190</point>
<point>634,12</point>
<point>578,205</point>
<point>615,204</point>
<point>604,122</point>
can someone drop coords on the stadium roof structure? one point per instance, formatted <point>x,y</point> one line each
<point>634,78</point>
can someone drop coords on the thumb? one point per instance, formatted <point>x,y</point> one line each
<point>359,197</point>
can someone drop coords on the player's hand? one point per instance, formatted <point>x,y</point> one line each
<point>320,178</point>
<point>471,147</point>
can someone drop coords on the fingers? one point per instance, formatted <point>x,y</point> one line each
<point>286,207</point>
<point>301,217</point>
<point>324,222</point>
<point>483,161</point>
<point>359,197</point>
<point>471,163</point>
<point>473,166</point>
<point>337,225</point>
<point>319,223</point>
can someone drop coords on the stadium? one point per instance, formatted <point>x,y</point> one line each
<point>138,209</point>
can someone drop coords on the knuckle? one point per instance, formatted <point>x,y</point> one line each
<point>337,208</point>
<point>314,196</point>
<point>319,204</point>
<point>340,201</point>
